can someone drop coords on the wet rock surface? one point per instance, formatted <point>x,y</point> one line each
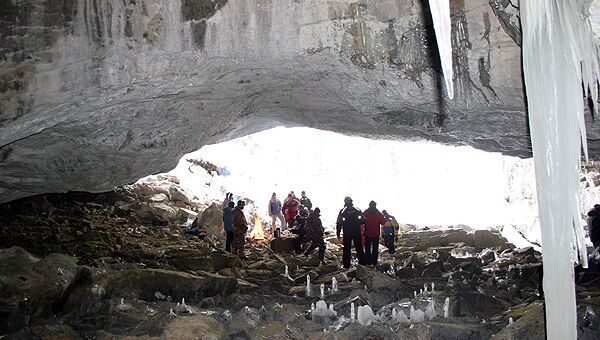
<point>78,266</point>
<point>128,87</point>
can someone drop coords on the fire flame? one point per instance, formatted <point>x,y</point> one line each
<point>258,233</point>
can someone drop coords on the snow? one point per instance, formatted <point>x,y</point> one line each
<point>440,13</point>
<point>559,54</point>
<point>408,178</point>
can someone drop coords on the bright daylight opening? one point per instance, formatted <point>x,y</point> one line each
<point>422,183</point>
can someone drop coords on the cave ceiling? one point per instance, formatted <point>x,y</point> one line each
<point>98,93</point>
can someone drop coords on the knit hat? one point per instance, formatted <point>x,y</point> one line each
<point>372,204</point>
<point>347,199</point>
<point>317,211</point>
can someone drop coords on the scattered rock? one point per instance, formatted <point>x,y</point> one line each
<point>194,327</point>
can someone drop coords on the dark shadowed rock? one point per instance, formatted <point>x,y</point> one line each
<point>529,325</point>
<point>144,283</point>
<point>282,244</point>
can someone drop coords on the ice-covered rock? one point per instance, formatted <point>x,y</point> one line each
<point>365,315</point>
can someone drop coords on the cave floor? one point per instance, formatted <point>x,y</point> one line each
<point>79,265</point>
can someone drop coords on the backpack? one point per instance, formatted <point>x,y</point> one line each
<point>351,217</point>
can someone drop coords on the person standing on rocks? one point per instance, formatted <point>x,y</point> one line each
<point>349,220</point>
<point>275,213</point>
<point>300,229</point>
<point>305,201</point>
<point>373,222</point>
<point>314,234</point>
<point>240,227</point>
<point>390,232</point>
<point>290,209</point>
<point>228,225</point>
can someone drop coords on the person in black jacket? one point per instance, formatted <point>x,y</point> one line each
<point>594,225</point>
<point>305,201</point>
<point>349,220</point>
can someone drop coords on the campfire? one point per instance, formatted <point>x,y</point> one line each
<point>258,232</point>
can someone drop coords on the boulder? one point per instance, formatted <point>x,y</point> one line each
<point>144,283</point>
<point>153,212</point>
<point>46,332</point>
<point>211,220</point>
<point>282,244</point>
<point>159,198</point>
<point>41,281</point>
<point>381,287</point>
<point>196,326</point>
<point>488,239</point>
<point>179,195</point>
<point>529,325</point>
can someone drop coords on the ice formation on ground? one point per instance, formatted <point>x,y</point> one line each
<point>365,315</point>
<point>446,308</point>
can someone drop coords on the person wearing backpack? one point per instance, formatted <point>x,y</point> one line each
<point>373,222</point>
<point>390,232</point>
<point>349,221</point>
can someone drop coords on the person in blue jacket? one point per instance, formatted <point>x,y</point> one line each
<point>228,225</point>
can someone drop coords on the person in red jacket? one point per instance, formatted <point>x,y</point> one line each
<point>374,219</point>
<point>290,209</point>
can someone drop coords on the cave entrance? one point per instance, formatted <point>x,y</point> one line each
<point>422,183</point>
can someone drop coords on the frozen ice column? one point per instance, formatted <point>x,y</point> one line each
<point>557,46</point>
<point>440,13</point>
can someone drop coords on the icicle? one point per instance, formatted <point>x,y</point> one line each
<point>171,312</point>
<point>440,13</point>
<point>430,310</point>
<point>322,291</point>
<point>331,310</point>
<point>352,313</point>
<point>308,292</point>
<point>413,266</point>
<point>394,313</point>
<point>446,308</point>
<point>286,271</point>
<point>415,293</point>
<point>312,307</point>
<point>334,285</point>
<point>425,288</point>
<point>557,47</point>
<point>510,321</point>
<point>432,286</point>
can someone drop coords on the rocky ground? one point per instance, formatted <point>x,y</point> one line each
<point>112,266</point>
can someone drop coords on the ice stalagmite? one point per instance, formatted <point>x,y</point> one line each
<point>440,13</point>
<point>558,54</point>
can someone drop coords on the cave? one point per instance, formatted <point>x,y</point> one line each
<point>95,95</point>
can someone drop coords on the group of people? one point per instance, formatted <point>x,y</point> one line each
<point>287,212</point>
<point>363,229</point>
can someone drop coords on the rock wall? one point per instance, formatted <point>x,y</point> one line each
<point>95,94</point>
